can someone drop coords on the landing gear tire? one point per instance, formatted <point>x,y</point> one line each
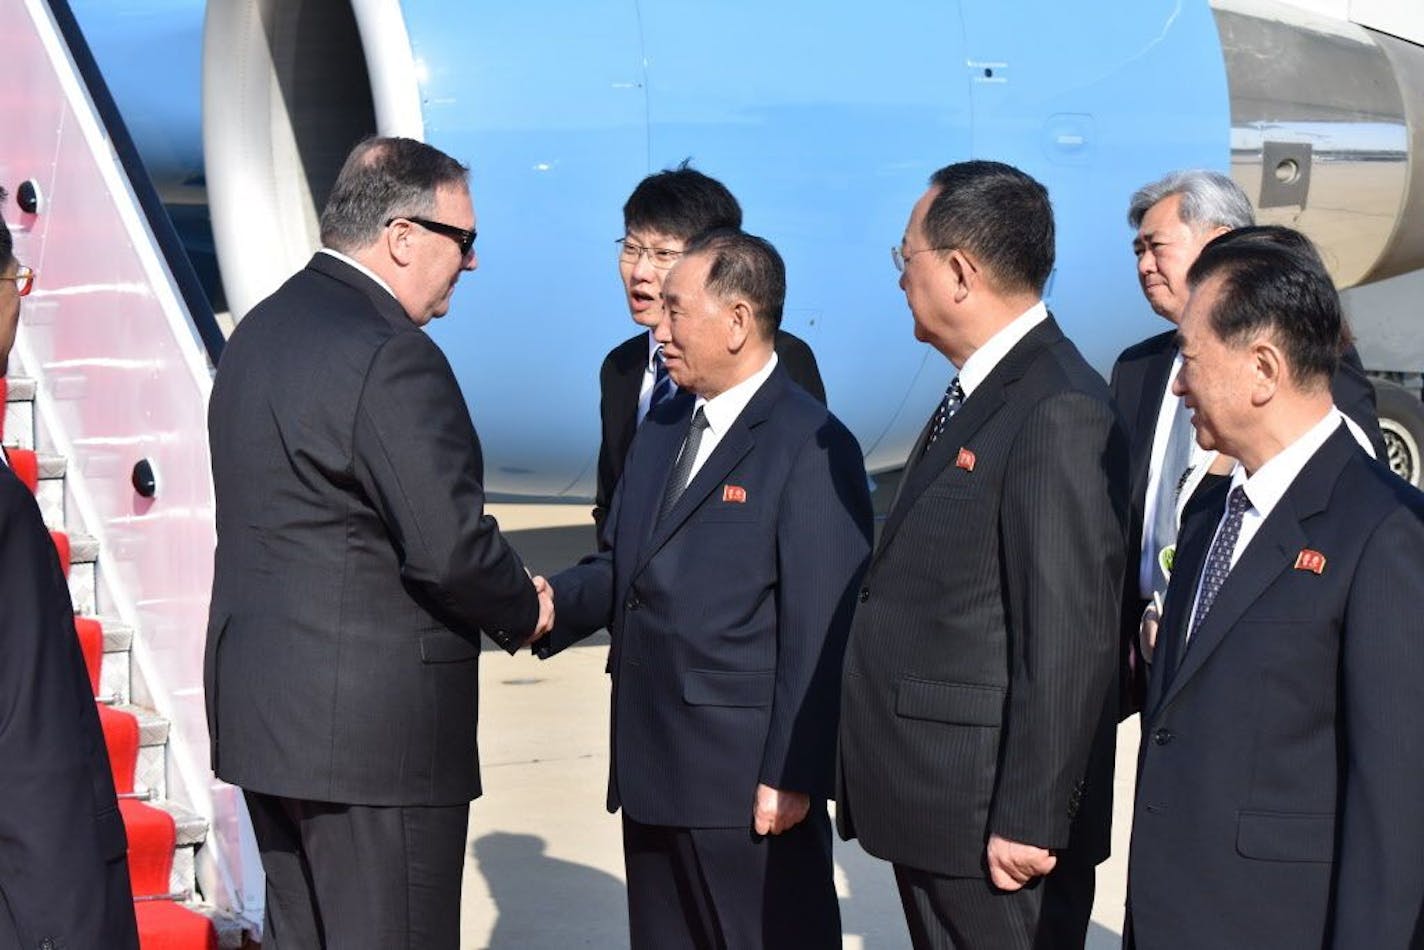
<point>1401,416</point>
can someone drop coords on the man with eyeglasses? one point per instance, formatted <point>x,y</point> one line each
<point>356,567</point>
<point>979,698</point>
<point>64,875</point>
<point>666,211</point>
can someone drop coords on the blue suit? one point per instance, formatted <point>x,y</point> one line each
<point>729,619</point>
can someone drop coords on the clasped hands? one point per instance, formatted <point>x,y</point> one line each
<point>546,608</point>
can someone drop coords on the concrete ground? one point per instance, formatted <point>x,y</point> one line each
<point>544,863</point>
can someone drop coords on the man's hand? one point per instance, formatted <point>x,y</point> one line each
<point>546,608</point>
<point>777,810</point>
<point>1147,630</point>
<point>1012,865</point>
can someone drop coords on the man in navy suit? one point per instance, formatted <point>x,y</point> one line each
<point>734,544</point>
<point>64,878</point>
<point>1282,765</point>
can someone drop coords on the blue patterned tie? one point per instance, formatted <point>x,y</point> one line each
<point>663,386</point>
<point>1218,561</point>
<point>948,406</point>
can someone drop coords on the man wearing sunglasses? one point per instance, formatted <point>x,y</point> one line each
<point>64,878</point>
<point>666,211</point>
<point>356,567</point>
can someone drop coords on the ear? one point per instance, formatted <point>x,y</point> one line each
<point>739,325</point>
<point>400,241</point>
<point>1268,364</point>
<point>964,275</point>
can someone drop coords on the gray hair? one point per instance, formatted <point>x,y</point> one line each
<point>385,178</point>
<point>1209,200</point>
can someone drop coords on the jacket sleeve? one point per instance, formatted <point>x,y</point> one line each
<point>823,537</point>
<point>416,455</point>
<point>1380,864</point>
<point>610,464</point>
<point>59,826</point>
<point>1063,560</point>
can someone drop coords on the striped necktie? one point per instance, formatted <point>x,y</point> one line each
<point>663,386</point>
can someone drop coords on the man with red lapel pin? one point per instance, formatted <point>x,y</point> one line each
<point>979,707</point>
<point>732,551</point>
<point>1282,762</point>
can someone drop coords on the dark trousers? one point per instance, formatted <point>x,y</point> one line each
<point>359,876</point>
<point>969,913</point>
<point>715,888</point>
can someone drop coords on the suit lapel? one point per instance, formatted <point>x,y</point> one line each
<point>1149,407</point>
<point>1271,552</point>
<point>660,439</point>
<point>733,447</point>
<point>978,408</point>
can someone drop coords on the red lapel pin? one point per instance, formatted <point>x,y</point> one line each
<point>735,494</point>
<point>1308,560</point>
<point>965,460</point>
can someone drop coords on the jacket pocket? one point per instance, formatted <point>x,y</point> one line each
<point>447,648</point>
<point>960,704</point>
<point>1272,836</point>
<point>728,688</point>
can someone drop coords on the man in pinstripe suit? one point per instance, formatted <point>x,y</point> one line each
<point>732,551</point>
<point>979,699</point>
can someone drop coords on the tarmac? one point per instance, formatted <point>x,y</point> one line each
<point>544,863</point>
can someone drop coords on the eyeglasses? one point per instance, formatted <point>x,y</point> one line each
<point>660,257</point>
<point>901,258</point>
<point>24,279</point>
<point>465,239</point>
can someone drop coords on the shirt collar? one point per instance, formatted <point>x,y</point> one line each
<point>723,409</point>
<point>1268,486</point>
<point>352,262</point>
<point>983,360</point>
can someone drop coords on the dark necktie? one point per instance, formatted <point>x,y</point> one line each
<point>948,406</point>
<point>682,470</point>
<point>663,386</point>
<point>1218,560</point>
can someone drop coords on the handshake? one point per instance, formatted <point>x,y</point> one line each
<point>546,609</point>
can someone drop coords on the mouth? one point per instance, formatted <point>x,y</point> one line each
<point>640,300</point>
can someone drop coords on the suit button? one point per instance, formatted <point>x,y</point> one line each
<point>1162,736</point>
<point>633,603</point>
<point>864,594</point>
<point>47,944</point>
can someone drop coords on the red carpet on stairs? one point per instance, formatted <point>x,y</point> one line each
<point>61,545</point>
<point>121,738</point>
<point>152,835</point>
<point>26,466</point>
<point>163,925</point>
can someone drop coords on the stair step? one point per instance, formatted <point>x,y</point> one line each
<point>50,491</point>
<point>229,928</point>
<point>20,412</point>
<point>115,671</point>
<point>151,772</point>
<point>192,831</point>
<point>83,573</point>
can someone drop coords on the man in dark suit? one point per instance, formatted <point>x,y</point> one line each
<point>356,567</point>
<point>732,550</point>
<point>663,213</point>
<point>64,876</point>
<point>1174,219</point>
<point>979,681</point>
<point>1279,777</point>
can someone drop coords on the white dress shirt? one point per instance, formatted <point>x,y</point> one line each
<point>983,360</point>
<point>1269,485</point>
<point>361,267</point>
<point>723,409</point>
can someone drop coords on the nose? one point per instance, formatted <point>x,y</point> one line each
<point>1177,388</point>
<point>471,260</point>
<point>1146,263</point>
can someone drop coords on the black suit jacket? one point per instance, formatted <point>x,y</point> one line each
<point>63,875</point>
<point>355,564</point>
<point>729,615</point>
<point>1281,774</point>
<point>979,678</point>
<point>620,380</point>
<point>1138,385</point>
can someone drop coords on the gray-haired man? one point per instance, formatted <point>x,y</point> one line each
<point>1174,218</point>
